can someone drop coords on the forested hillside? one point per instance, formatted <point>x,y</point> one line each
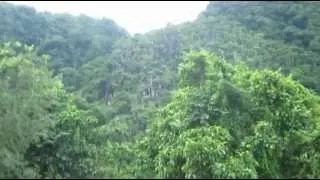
<point>233,94</point>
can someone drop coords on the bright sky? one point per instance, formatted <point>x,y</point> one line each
<point>134,16</point>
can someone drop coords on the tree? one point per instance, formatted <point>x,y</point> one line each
<point>27,93</point>
<point>239,123</point>
<point>68,149</point>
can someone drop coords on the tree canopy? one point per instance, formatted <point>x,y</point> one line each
<point>232,94</point>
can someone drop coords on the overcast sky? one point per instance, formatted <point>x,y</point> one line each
<point>134,16</point>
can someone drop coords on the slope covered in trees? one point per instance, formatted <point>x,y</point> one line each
<point>70,41</point>
<point>293,23</point>
<point>233,94</point>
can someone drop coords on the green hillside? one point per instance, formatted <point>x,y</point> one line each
<point>233,94</point>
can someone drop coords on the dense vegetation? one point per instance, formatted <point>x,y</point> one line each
<point>233,94</point>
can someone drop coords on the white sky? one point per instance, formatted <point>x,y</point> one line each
<point>134,16</point>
